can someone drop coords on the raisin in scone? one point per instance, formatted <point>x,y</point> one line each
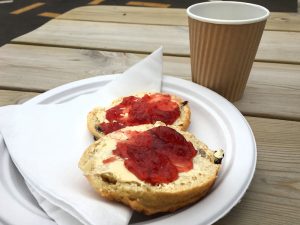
<point>142,108</point>
<point>151,168</point>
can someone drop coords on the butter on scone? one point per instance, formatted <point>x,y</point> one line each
<point>142,108</point>
<point>151,168</point>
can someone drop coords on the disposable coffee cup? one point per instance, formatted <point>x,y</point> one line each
<point>224,38</point>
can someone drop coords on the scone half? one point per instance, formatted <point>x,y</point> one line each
<point>115,182</point>
<point>99,116</point>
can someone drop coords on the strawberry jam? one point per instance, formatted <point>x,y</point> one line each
<point>136,111</point>
<point>156,155</point>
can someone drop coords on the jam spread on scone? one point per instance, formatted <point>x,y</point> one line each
<point>156,155</point>
<point>141,110</point>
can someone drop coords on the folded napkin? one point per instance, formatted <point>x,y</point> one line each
<point>46,142</point>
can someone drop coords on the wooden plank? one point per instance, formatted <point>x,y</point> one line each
<point>276,46</point>
<point>109,36</point>
<point>284,21</point>
<point>40,68</point>
<point>36,68</point>
<point>9,97</point>
<point>272,91</point>
<point>277,5</point>
<point>274,194</point>
<point>125,14</point>
<point>148,4</point>
<point>162,16</point>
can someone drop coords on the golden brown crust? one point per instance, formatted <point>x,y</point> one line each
<point>151,202</point>
<point>97,116</point>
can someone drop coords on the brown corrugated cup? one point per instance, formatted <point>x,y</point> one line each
<point>224,38</point>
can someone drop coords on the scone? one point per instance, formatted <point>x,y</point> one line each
<point>151,168</point>
<point>142,108</point>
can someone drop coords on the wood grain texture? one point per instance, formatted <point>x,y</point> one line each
<point>272,90</point>
<point>41,68</point>
<point>274,194</point>
<point>9,97</point>
<point>109,36</point>
<point>162,16</point>
<point>275,46</point>
<point>284,21</point>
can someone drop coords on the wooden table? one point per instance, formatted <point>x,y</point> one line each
<point>93,40</point>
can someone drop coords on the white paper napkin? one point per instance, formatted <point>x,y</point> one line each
<point>46,142</point>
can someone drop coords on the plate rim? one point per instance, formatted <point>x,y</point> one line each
<point>81,83</point>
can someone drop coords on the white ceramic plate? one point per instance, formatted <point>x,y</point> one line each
<point>214,120</point>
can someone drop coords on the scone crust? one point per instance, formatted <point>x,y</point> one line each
<point>93,120</point>
<point>149,202</point>
<point>97,115</point>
